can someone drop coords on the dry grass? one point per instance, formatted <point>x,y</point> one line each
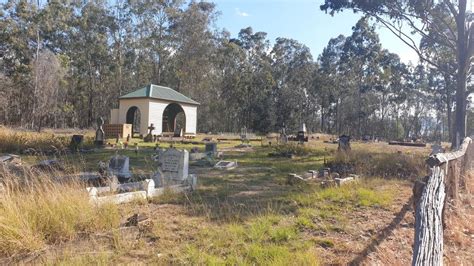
<point>385,165</point>
<point>16,141</point>
<point>38,211</point>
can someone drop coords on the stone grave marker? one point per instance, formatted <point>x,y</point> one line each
<point>76,142</point>
<point>174,164</point>
<point>225,165</point>
<point>302,137</point>
<point>149,137</point>
<point>344,143</point>
<point>119,165</point>
<point>99,140</point>
<point>211,148</point>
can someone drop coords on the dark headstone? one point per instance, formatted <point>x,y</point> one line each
<point>149,137</point>
<point>211,148</point>
<point>99,140</point>
<point>301,137</point>
<point>344,143</point>
<point>76,142</point>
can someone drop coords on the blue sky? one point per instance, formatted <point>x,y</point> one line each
<point>301,20</point>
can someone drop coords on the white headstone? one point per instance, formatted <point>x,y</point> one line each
<point>174,164</point>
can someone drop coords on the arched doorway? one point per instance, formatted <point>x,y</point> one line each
<point>174,119</point>
<point>133,117</point>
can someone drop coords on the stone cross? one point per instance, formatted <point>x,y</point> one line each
<point>151,128</point>
<point>149,137</point>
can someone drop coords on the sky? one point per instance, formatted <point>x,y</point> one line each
<point>301,20</point>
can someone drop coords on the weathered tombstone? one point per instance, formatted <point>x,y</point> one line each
<point>211,148</point>
<point>149,137</point>
<point>244,135</point>
<point>301,136</point>
<point>76,142</point>
<point>99,140</point>
<point>128,137</point>
<point>344,143</point>
<point>283,136</point>
<point>119,166</point>
<point>225,165</point>
<point>174,165</point>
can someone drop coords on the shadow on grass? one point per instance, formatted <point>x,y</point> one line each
<point>383,234</point>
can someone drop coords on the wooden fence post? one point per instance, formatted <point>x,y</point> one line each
<point>428,246</point>
<point>447,170</point>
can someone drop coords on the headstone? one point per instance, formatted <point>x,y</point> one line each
<point>283,136</point>
<point>128,137</point>
<point>211,148</point>
<point>227,165</point>
<point>244,135</point>
<point>174,164</point>
<point>119,166</point>
<point>149,137</point>
<point>301,136</point>
<point>344,143</point>
<point>99,140</point>
<point>76,142</point>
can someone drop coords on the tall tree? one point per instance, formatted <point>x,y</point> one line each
<point>422,16</point>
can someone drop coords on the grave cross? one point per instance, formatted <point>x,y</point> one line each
<point>151,128</point>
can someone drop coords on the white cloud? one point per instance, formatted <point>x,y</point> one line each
<point>241,13</point>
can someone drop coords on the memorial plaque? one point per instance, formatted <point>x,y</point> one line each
<point>174,164</point>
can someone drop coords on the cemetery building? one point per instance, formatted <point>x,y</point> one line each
<point>168,110</point>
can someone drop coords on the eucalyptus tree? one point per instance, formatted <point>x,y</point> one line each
<point>421,17</point>
<point>293,67</point>
<point>328,85</point>
<point>360,66</point>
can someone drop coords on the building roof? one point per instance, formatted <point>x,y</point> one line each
<point>159,92</point>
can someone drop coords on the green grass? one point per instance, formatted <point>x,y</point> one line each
<point>266,240</point>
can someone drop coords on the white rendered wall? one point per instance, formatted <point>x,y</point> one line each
<point>191,118</point>
<point>157,107</point>
<point>114,116</point>
<point>156,114</point>
<point>143,105</point>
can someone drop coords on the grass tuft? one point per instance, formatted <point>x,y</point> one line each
<point>42,212</point>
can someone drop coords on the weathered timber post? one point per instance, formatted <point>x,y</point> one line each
<point>428,246</point>
<point>442,184</point>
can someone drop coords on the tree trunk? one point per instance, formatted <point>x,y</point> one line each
<point>462,54</point>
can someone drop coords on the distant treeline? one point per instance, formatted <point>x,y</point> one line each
<point>64,63</point>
